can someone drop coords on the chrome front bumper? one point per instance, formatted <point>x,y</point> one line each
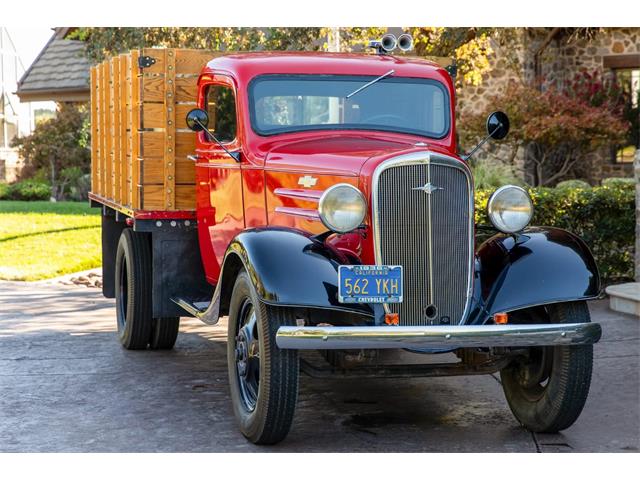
<point>446,337</point>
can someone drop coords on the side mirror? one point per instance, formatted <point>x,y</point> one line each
<point>497,125</point>
<point>197,119</point>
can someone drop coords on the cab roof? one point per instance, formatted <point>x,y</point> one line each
<point>244,66</point>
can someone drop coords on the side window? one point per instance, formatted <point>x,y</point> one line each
<point>221,107</point>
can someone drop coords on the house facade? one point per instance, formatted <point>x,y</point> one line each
<point>553,55</point>
<point>15,118</point>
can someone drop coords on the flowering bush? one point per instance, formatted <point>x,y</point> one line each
<point>555,129</point>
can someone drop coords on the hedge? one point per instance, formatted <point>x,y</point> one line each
<point>25,190</point>
<point>603,216</point>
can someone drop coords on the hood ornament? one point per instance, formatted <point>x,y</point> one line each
<point>428,188</point>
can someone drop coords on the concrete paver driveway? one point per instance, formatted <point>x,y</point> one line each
<point>67,385</point>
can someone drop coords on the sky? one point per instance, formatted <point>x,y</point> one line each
<point>29,41</point>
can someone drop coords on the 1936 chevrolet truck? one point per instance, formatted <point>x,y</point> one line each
<point>318,201</point>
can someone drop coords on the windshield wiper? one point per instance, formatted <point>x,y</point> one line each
<point>375,80</point>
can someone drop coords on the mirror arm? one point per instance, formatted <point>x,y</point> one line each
<point>482,142</point>
<point>234,155</point>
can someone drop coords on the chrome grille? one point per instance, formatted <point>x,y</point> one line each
<point>428,234</point>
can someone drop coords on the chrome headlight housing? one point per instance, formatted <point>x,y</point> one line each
<point>510,209</point>
<point>342,208</point>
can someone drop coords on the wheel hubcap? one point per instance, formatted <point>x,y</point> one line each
<point>534,372</point>
<point>247,355</point>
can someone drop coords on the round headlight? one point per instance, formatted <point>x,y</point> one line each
<point>342,208</point>
<point>510,209</point>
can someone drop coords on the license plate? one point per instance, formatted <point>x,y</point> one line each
<point>370,283</point>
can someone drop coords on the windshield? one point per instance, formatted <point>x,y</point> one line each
<point>288,103</point>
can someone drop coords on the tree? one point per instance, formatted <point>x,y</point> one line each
<point>471,47</point>
<point>101,43</point>
<point>58,147</point>
<point>555,129</point>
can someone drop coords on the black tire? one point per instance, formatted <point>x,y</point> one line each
<point>265,391</point>
<point>133,290</point>
<point>164,332</point>
<point>547,391</point>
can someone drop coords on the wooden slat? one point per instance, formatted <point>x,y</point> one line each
<point>152,88</point>
<point>94,131</point>
<point>192,61</point>
<point>135,126</point>
<point>126,62</point>
<point>154,197</point>
<point>170,131</point>
<point>115,116</point>
<point>109,129</point>
<point>153,115</point>
<point>186,88</point>
<point>153,171</point>
<point>103,130</point>
<point>152,144</point>
<point>122,105</point>
<point>187,61</point>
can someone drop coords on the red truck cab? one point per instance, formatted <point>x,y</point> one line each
<point>281,177</point>
<point>335,214</point>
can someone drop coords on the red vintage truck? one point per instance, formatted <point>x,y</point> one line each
<point>318,201</point>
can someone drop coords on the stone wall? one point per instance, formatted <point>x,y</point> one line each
<point>559,63</point>
<point>505,68</point>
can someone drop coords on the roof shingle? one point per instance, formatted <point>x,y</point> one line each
<point>61,66</point>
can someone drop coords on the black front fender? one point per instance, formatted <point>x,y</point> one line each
<point>542,265</point>
<point>290,268</point>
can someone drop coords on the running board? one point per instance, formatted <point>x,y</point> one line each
<point>208,312</point>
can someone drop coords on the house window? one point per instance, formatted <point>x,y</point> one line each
<point>221,107</point>
<point>629,81</point>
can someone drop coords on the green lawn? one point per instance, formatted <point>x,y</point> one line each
<point>41,240</point>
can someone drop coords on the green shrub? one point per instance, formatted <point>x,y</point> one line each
<point>571,184</point>
<point>28,190</point>
<point>488,174</point>
<point>618,182</point>
<point>604,217</point>
<point>4,190</point>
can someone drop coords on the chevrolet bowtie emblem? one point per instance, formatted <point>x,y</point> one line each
<point>428,188</point>
<point>307,181</point>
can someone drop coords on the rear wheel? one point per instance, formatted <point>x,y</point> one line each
<point>548,389</point>
<point>263,378</point>
<point>164,332</point>
<point>133,290</point>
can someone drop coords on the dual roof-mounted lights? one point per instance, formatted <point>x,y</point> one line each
<point>388,43</point>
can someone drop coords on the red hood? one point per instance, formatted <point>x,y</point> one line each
<point>340,154</point>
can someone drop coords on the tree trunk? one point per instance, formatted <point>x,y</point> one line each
<point>333,40</point>
<point>54,189</point>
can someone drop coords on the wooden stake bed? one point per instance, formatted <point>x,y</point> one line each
<point>140,140</point>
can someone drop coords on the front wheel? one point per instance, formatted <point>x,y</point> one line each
<point>263,378</point>
<point>547,389</point>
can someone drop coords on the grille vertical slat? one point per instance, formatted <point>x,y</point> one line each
<point>402,223</point>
